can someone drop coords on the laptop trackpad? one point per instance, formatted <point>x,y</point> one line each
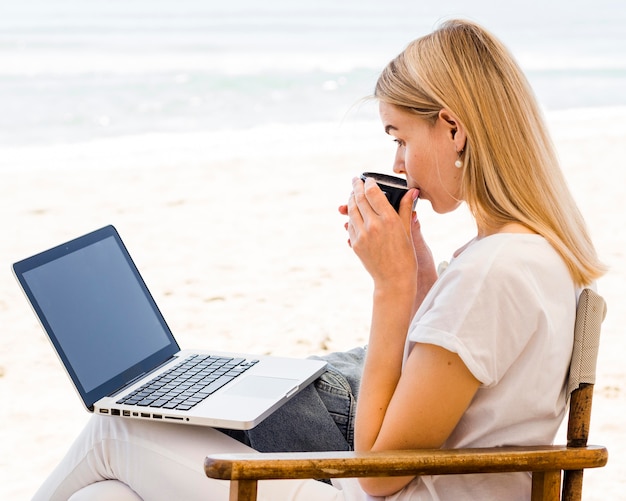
<point>263,387</point>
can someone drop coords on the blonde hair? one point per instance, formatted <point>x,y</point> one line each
<point>511,173</point>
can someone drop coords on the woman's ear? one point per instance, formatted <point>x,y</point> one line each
<point>456,129</point>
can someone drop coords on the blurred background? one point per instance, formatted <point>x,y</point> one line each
<point>74,71</point>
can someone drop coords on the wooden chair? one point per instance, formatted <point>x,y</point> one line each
<point>544,462</point>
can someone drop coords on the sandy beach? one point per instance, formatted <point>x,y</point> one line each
<point>243,248</point>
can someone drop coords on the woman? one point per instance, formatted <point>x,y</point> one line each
<point>486,357</point>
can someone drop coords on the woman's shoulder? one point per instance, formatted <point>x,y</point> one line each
<point>503,242</point>
<point>509,257</point>
<point>506,248</point>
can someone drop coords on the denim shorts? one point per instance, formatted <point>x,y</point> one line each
<point>320,417</point>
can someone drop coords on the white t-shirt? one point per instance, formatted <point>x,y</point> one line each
<point>506,305</point>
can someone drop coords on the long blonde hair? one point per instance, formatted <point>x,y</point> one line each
<point>511,173</point>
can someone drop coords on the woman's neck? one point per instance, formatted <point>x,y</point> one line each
<point>513,227</point>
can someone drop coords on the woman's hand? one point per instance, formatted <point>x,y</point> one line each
<point>426,271</point>
<point>379,236</point>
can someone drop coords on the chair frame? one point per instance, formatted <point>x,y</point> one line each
<point>546,463</point>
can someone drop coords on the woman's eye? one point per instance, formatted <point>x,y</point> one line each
<point>399,142</point>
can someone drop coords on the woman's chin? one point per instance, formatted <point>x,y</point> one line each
<point>444,208</point>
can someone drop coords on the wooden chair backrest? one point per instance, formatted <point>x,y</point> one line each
<point>590,313</point>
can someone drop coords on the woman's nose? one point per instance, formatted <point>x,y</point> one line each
<point>398,163</point>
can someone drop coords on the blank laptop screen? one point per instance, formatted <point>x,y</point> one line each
<point>99,315</point>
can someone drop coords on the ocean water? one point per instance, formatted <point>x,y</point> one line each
<point>73,71</point>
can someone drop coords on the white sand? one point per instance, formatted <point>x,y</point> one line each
<point>238,237</point>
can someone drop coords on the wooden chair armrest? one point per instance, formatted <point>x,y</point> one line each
<point>257,466</point>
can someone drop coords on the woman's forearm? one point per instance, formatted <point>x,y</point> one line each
<point>391,316</point>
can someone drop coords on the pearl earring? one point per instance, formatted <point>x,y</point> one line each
<point>459,163</point>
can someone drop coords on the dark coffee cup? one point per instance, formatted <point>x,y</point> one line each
<point>393,187</point>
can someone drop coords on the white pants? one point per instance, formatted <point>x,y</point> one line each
<point>133,460</point>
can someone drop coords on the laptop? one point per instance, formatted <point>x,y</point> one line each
<point>122,357</point>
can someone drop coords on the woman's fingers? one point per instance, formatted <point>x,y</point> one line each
<point>356,203</point>
<point>366,202</point>
<point>373,200</point>
<point>407,204</point>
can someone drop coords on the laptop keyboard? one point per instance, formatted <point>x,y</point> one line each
<point>188,383</point>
